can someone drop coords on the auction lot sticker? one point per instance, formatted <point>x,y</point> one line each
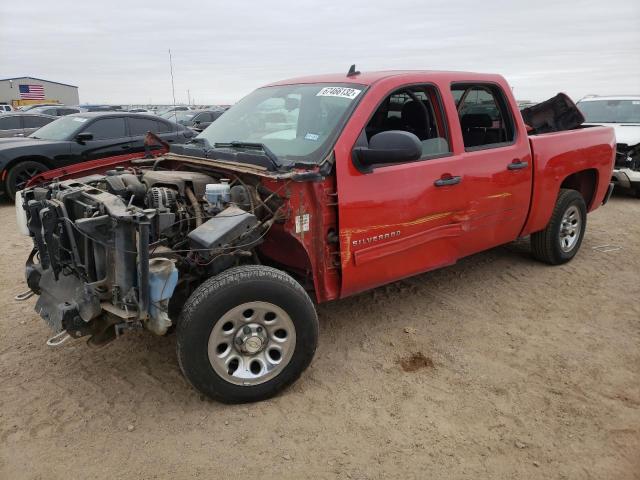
<point>342,92</point>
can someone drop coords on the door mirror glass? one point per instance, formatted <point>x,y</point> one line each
<point>393,146</point>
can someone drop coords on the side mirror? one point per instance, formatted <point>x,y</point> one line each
<point>83,137</point>
<point>393,146</point>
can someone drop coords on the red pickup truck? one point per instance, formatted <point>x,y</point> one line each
<point>313,188</point>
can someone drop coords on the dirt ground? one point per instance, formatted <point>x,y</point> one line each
<point>497,367</point>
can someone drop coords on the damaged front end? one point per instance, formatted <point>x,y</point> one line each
<point>627,167</point>
<point>118,251</point>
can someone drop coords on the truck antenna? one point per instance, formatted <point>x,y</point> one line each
<point>173,90</point>
<point>352,71</point>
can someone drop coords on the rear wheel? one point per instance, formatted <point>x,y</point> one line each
<point>246,334</point>
<point>561,240</point>
<point>20,174</point>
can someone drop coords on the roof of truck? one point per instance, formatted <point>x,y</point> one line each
<point>368,78</point>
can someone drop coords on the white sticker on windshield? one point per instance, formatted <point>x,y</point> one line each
<point>342,92</point>
<point>312,136</point>
<point>80,119</point>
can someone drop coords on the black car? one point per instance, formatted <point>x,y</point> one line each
<point>195,119</point>
<point>77,138</point>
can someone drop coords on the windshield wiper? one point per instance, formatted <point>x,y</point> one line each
<point>200,141</point>
<point>251,146</point>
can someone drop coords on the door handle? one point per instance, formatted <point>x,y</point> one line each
<point>444,181</point>
<point>125,147</point>
<point>517,165</point>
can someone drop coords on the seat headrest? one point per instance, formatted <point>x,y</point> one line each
<point>476,120</point>
<point>412,113</point>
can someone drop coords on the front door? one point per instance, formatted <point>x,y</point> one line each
<point>109,139</point>
<point>403,219</point>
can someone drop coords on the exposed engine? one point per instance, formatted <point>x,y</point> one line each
<point>120,248</point>
<point>628,156</point>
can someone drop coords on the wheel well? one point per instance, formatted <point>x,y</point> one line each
<point>33,158</point>
<point>585,182</point>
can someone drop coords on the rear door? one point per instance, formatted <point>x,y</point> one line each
<point>138,128</point>
<point>403,219</point>
<point>497,165</point>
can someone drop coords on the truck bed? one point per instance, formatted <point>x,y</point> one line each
<point>576,158</point>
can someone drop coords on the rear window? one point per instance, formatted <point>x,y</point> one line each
<point>485,118</point>
<point>164,127</point>
<point>140,126</point>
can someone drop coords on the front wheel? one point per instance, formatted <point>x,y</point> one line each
<point>561,240</point>
<point>20,174</point>
<point>246,334</point>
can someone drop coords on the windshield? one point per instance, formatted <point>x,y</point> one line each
<point>298,123</point>
<point>611,111</point>
<point>62,129</point>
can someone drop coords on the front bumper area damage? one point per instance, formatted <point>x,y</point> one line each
<point>115,252</point>
<point>93,268</point>
<point>626,172</point>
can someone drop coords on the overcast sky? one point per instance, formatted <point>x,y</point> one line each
<point>117,51</point>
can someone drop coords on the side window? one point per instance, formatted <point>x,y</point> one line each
<point>68,111</point>
<point>9,123</point>
<point>163,127</point>
<point>415,109</point>
<point>107,128</point>
<point>140,126</point>
<point>484,116</point>
<point>36,122</point>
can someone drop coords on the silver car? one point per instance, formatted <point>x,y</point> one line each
<point>22,124</point>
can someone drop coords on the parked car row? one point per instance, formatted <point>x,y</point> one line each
<point>77,138</point>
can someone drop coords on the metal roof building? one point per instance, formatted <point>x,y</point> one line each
<point>28,90</point>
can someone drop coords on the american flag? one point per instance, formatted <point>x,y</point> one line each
<point>31,92</point>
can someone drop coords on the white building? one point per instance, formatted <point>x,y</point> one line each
<point>28,90</point>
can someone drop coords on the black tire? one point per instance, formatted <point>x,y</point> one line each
<point>19,174</point>
<point>220,294</point>
<point>546,244</point>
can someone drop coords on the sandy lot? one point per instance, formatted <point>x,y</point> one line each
<point>497,367</point>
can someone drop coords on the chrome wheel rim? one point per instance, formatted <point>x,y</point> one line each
<point>570,228</point>
<point>252,343</point>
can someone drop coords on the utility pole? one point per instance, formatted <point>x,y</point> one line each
<point>188,97</point>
